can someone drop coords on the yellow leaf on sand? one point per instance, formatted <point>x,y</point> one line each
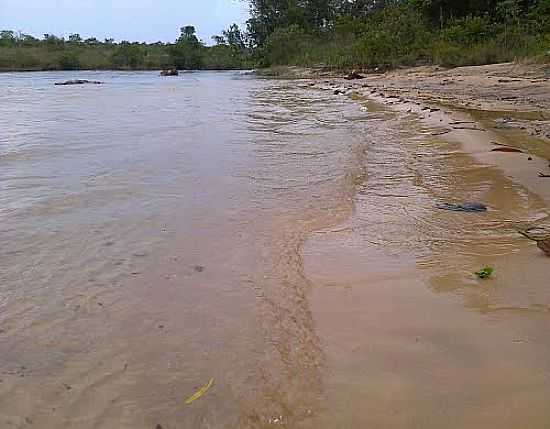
<point>200,392</point>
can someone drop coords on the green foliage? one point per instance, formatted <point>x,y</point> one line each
<point>395,35</point>
<point>69,61</point>
<point>24,52</point>
<point>468,30</point>
<point>188,50</point>
<point>128,56</point>
<point>390,33</point>
<point>337,33</point>
<point>485,273</point>
<point>284,44</point>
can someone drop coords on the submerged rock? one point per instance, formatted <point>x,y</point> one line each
<point>79,82</point>
<point>464,207</point>
<point>169,72</point>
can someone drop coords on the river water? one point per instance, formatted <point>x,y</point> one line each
<point>159,233</point>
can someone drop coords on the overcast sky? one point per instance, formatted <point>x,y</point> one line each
<point>134,20</point>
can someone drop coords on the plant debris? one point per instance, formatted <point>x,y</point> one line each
<point>199,392</point>
<point>485,273</point>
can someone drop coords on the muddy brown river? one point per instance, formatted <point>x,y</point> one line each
<point>158,233</point>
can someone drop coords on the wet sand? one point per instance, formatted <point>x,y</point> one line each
<point>412,337</point>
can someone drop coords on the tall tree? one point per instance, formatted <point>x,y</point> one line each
<point>187,52</point>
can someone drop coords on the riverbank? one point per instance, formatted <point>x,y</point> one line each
<point>411,336</point>
<point>498,112</point>
<point>514,95</point>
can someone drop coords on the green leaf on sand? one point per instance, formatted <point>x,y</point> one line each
<point>485,273</point>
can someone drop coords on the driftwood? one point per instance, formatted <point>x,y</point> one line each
<point>506,149</point>
<point>469,128</point>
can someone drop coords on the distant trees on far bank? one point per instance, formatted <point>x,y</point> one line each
<point>25,52</point>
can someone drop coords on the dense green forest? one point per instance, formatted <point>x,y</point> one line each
<point>334,33</point>
<point>389,33</point>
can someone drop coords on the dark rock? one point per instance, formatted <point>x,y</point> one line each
<point>354,75</point>
<point>169,72</point>
<point>79,82</point>
<point>464,207</point>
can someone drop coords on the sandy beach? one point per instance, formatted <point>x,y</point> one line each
<point>439,347</point>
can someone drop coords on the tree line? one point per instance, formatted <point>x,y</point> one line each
<point>25,52</point>
<point>334,33</point>
<point>388,33</point>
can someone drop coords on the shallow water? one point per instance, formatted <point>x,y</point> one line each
<point>150,236</point>
<point>157,233</point>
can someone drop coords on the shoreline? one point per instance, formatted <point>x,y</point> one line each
<point>482,130</point>
<point>430,332</point>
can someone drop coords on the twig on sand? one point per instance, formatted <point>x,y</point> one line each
<point>440,133</point>
<point>469,128</point>
<point>461,122</point>
<point>543,175</point>
<point>506,149</point>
